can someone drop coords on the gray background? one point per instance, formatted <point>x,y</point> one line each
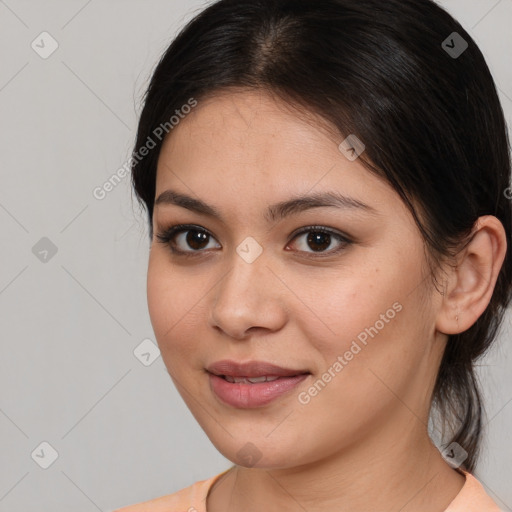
<point>70,323</point>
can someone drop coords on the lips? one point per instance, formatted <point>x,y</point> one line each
<point>252,384</point>
<point>252,370</point>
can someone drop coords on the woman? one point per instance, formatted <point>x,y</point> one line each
<point>325,186</point>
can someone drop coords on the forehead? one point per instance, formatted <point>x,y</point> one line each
<point>250,145</point>
<point>250,119</point>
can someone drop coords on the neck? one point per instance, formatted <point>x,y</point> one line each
<point>408,474</point>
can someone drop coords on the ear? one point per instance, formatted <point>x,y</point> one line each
<point>470,285</point>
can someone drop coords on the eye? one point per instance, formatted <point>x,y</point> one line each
<point>180,236</point>
<point>319,239</point>
<point>190,240</point>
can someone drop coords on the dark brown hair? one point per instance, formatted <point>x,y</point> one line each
<point>431,121</point>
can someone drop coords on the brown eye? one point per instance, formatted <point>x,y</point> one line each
<point>183,239</point>
<point>196,239</point>
<point>320,239</point>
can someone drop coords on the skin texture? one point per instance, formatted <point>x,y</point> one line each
<point>362,441</point>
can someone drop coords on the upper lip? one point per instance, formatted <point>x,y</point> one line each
<point>251,369</point>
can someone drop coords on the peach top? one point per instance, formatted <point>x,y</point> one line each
<point>471,498</point>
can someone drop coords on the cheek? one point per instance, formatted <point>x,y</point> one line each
<point>167,300</point>
<point>159,293</point>
<point>339,310</point>
<point>366,323</point>
<point>176,304</point>
<point>385,354</point>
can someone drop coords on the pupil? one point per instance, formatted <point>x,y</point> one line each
<point>318,238</point>
<point>195,241</point>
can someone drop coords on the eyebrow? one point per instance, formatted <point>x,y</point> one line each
<point>276,211</point>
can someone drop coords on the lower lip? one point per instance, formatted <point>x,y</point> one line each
<point>246,396</point>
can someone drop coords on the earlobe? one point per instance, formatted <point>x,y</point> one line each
<point>471,282</point>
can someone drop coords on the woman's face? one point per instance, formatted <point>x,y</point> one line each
<point>354,315</point>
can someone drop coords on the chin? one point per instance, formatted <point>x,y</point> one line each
<point>258,455</point>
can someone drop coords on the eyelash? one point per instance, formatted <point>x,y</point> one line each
<point>166,237</point>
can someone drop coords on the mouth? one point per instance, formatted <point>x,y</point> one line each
<point>252,384</point>
<point>252,370</point>
<point>250,380</point>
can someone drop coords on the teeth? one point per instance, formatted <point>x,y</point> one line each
<point>249,380</point>
<point>257,379</point>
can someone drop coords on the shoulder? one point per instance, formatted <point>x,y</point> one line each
<point>188,499</point>
<point>179,501</point>
<point>472,498</point>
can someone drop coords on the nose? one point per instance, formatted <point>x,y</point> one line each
<point>248,298</point>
